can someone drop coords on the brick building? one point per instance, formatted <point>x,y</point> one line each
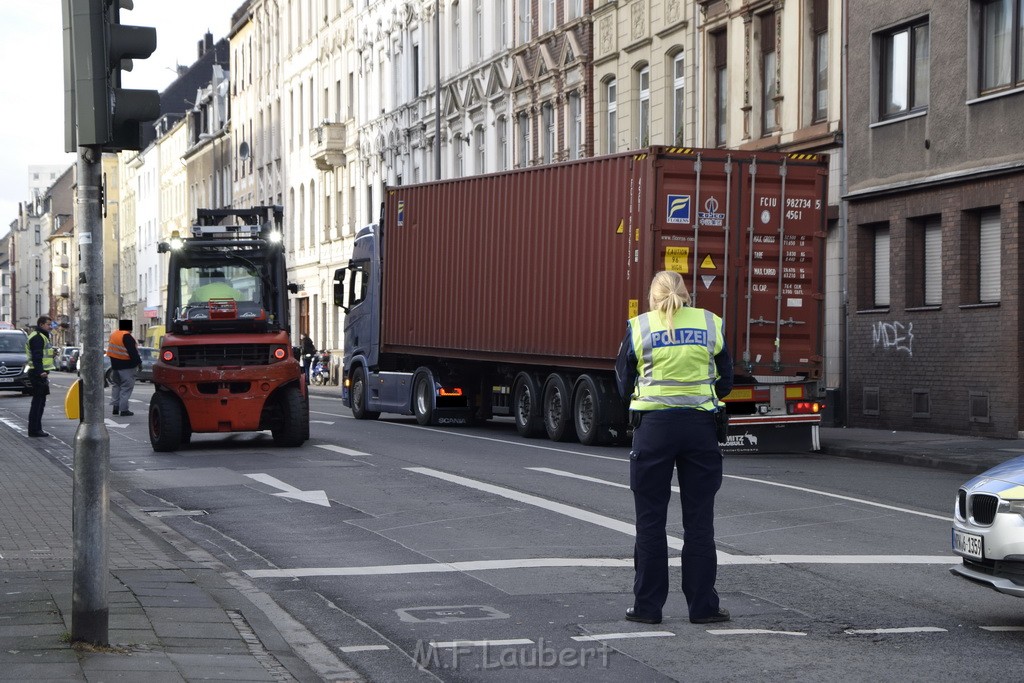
<point>936,186</point>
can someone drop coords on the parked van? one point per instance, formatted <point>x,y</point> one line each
<point>14,362</point>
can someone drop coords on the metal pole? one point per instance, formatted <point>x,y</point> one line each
<point>89,610</point>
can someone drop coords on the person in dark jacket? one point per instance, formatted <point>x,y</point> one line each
<point>674,367</point>
<point>40,364</point>
<point>308,350</point>
<point>123,351</point>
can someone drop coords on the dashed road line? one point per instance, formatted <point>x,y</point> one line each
<point>1003,629</point>
<point>479,643</point>
<point>363,648</point>
<point>340,449</point>
<point>752,632</point>
<point>440,567</point>
<point>907,629</point>
<point>617,636</point>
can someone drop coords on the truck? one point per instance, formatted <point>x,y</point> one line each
<point>508,294</point>
<point>226,362</point>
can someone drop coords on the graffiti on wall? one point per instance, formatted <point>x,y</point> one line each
<point>894,336</point>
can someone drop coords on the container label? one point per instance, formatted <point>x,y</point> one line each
<point>634,308</point>
<point>401,212</point>
<point>677,259</point>
<point>711,217</point>
<point>678,209</point>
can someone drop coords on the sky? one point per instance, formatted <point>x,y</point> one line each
<point>32,85</point>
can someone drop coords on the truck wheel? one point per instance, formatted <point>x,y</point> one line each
<point>290,429</point>
<point>557,408</point>
<point>423,399</point>
<point>526,406</point>
<point>166,423</point>
<point>359,393</point>
<point>588,413</point>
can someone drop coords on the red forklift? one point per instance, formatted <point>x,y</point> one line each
<point>226,363</point>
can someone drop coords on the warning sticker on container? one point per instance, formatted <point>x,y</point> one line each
<point>634,308</point>
<point>677,259</point>
<point>401,212</point>
<point>708,263</point>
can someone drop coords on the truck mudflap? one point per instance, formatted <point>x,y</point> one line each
<point>751,434</point>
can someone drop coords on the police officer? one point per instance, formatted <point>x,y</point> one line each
<point>39,352</point>
<point>674,365</point>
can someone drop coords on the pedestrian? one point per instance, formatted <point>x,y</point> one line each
<point>39,352</point>
<point>308,350</point>
<point>123,352</point>
<point>674,366</point>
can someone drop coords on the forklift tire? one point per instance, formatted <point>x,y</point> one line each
<point>167,423</point>
<point>292,427</point>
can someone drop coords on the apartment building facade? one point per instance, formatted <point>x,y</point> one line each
<point>936,173</point>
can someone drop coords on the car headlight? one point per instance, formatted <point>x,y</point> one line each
<point>1016,506</point>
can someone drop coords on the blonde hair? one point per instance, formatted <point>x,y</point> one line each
<point>668,294</point>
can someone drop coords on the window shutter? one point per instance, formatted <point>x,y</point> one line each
<point>989,255</point>
<point>881,268</point>
<point>933,262</point>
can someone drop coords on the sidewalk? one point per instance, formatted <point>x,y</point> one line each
<point>965,454</point>
<point>176,613</point>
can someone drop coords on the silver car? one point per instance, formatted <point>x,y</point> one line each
<point>988,528</point>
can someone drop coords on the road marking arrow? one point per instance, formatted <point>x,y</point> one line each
<point>289,491</point>
<point>111,423</point>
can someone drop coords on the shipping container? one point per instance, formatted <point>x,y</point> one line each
<point>498,288</point>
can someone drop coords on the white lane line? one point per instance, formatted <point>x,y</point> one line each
<point>944,518</point>
<point>595,480</point>
<point>1003,629</point>
<point>440,567</point>
<point>908,629</point>
<point>617,636</point>
<point>561,508</point>
<point>752,632</point>
<point>363,648</point>
<point>561,562</point>
<point>339,449</point>
<point>479,643</point>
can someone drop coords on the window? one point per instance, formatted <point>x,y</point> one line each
<point>769,83</point>
<point>548,120</point>
<point>904,74</point>
<point>988,256</point>
<point>502,126</point>
<point>459,143</point>
<point>478,30</point>
<point>819,24</point>
<point>613,114</point>
<point>455,38</point>
<point>1001,31</point>
<point>575,8</point>
<point>881,263</point>
<point>924,266</point>
<point>575,125</point>
<point>720,86</point>
<point>525,20</point>
<point>678,100</point>
<point>415,70</point>
<point>549,15</point>
<point>644,106</point>
<point>502,23</point>
<point>524,139</point>
<point>481,148</point>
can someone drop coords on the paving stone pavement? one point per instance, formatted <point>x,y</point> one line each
<point>175,614</point>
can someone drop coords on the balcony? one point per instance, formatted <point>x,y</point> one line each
<point>327,146</point>
<point>65,291</point>
<point>64,261</point>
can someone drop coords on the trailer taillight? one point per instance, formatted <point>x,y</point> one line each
<point>454,391</point>
<point>280,353</point>
<point>167,356</point>
<point>806,408</point>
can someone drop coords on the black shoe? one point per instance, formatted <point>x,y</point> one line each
<point>631,615</point>
<point>721,615</point>
<point>126,413</point>
<point>38,434</point>
<point>116,412</point>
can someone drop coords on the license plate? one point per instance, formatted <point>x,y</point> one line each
<point>6,379</point>
<point>970,545</point>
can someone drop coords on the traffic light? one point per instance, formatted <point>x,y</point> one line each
<point>97,48</point>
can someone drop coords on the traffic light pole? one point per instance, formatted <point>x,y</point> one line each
<point>89,607</point>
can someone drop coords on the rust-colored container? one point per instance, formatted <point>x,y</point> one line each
<point>545,265</point>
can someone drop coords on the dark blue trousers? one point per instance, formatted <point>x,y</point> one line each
<point>686,439</point>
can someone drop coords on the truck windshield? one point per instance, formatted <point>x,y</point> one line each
<point>238,282</point>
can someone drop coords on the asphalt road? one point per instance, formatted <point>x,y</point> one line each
<point>472,554</point>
